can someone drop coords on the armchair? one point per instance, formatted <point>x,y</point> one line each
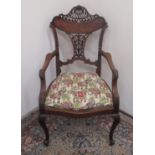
<point>78,94</point>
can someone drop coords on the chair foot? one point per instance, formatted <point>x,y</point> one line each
<point>68,123</point>
<point>113,127</point>
<point>87,123</point>
<point>45,129</point>
<point>111,142</point>
<point>46,142</point>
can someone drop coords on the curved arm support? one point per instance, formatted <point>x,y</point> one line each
<point>42,71</point>
<point>114,71</point>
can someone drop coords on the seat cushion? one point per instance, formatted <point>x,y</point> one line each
<point>78,91</point>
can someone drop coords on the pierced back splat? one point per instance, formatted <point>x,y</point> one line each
<point>78,41</point>
<point>78,24</point>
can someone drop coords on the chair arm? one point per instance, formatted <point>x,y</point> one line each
<point>111,64</point>
<point>114,79</point>
<point>42,71</point>
<point>48,58</point>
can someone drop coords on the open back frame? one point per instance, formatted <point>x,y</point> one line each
<point>78,24</point>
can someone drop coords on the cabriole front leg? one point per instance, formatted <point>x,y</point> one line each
<point>45,129</point>
<point>116,120</point>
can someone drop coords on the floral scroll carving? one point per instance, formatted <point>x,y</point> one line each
<point>79,14</point>
<point>78,41</point>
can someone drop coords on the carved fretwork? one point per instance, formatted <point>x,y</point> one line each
<point>78,41</point>
<point>79,14</point>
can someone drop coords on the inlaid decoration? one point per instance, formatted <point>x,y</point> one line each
<point>79,14</point>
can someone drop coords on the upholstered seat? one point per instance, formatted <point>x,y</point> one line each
<point>78,91</point>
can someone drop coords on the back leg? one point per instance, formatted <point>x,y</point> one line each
<point>113,127</point>
<point>45,129</point>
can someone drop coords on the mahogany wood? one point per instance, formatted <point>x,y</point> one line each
<point>78,24</point>
<point>70,27</point>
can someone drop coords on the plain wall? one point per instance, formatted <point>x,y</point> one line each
<point>37,41</point>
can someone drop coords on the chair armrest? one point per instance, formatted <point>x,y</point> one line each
<point>114,71</point>
<point>111,64</point>
<point>42,71</point>
<point>48,58</point>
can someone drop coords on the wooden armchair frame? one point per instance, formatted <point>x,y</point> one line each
<point>78,24</point>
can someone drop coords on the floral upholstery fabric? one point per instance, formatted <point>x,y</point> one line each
<point>78,91</point>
